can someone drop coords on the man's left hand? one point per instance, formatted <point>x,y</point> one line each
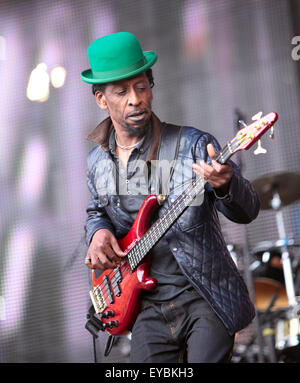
<point>217,175</point>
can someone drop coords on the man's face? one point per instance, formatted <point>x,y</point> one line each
<point>129,103</point>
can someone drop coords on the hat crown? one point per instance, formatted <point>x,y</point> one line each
<point>115,57</point>
<point>114,51</point>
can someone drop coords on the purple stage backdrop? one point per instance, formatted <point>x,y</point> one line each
<point>214,57</point>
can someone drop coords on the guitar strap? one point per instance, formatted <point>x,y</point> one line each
<point>167,156</point>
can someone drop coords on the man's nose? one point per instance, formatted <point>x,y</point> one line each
<point>134,98</point>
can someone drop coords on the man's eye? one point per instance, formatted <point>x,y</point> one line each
<point>121,92</point>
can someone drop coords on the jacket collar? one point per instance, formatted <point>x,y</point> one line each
<point>100,135</point>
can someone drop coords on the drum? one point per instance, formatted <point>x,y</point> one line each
<point>268,276</point>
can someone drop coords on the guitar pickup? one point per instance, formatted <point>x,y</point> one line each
<point>117,290</point>
<point>118,275</point>
<point>108,289</point>
<point>118,279</point>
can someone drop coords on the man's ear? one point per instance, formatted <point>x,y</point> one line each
<point>101,100</point>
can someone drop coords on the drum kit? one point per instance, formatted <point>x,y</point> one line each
<point>275,271</point>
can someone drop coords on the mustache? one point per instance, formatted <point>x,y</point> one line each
<point>136,112</point>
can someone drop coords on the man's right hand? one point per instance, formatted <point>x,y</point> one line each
<point>104,251</point>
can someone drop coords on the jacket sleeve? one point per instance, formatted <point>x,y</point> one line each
<point>241,204</point>
<point>97,217</point>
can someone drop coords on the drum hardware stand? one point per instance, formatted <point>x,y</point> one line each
<point>266,319</point>
<point>285,256</point>
<point>246,255</point>
<point>269,331</point>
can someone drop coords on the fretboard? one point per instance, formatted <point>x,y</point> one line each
<point>164,222</point>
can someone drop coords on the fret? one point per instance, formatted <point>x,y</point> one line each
<point>163,223</point>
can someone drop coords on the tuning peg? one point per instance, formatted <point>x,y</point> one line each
<point>260,149</point>
<point>272,135</point>
<point>244,125</point>
<point>257,116</point>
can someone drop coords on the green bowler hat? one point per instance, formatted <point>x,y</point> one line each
<point>115,57</point>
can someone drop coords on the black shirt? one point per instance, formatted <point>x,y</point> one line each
<point>133,186</point>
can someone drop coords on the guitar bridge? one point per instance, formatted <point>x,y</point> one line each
<point>97,300</point>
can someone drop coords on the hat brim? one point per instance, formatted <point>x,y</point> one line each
<point>90,78</point>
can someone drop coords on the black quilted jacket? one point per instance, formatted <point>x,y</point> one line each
<point>195,239</point>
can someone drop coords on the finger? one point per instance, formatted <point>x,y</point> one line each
<point>116,248</point>
<point>222,168</point>
<point>218,167</point>
<point>112,256</point>
<point>103,262</point>
<point>105,255</point>
<point>87,262</point>
<point>223,171</point>
<point>219,180</point>
<point>199,169</point>
<point>211,151</point>
<point>204,170</point>
<point>212,176</point>
<point>99,261</point>
<point>215,168</point>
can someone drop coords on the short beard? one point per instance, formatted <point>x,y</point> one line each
<point>137,132</point>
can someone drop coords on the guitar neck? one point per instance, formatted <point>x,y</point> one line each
<point>163,223</point>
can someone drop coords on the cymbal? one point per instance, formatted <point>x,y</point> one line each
<point>264,246</point>
<point>265,288</point>
<point>286,184</point>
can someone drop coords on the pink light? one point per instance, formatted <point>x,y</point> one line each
<point>16,276</point>
<point>195,27</point>
<point>33,171</point>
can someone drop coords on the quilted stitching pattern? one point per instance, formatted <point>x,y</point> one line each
<point>201,251</point>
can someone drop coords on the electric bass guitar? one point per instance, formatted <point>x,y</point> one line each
<point>115,293</point>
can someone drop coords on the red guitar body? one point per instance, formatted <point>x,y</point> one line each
<point>126,306</point>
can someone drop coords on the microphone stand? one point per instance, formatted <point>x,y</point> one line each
<point>247,272</point>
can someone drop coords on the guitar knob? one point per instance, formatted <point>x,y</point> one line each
<point>108,314</point>
<point>111,324</point>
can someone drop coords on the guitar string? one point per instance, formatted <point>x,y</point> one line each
<point>154,236</point>
<point>176,208</point>
<point>126,269</point>
<point>171,214</point>
<point>141,248</point>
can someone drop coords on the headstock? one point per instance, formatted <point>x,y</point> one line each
<point>249,134</point>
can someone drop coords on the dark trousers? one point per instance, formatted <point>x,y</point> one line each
<point>182,330</point>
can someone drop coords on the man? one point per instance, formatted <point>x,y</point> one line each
<point>200,301</point>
